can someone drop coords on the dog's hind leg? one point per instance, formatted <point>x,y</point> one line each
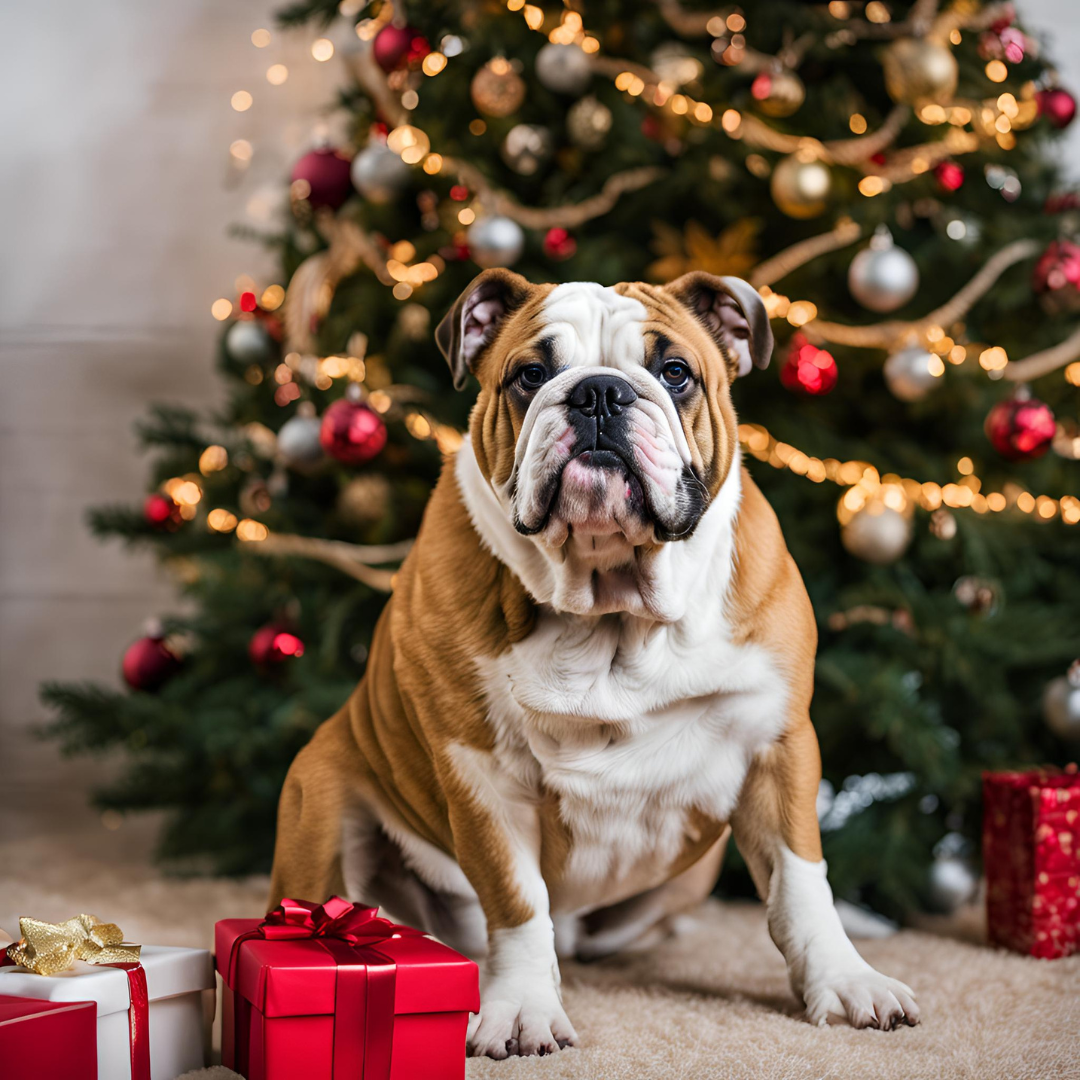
<point>317,804</point>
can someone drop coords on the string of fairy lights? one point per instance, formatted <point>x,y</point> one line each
<point>997,118</point>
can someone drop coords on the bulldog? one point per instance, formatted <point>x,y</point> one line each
<point>597,663</point>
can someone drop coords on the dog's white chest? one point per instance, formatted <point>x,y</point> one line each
<point>634,729</point>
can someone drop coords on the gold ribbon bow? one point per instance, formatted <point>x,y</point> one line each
<point>46,948</point>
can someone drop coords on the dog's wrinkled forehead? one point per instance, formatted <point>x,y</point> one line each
<point>587,324</point>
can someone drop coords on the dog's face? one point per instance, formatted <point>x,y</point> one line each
<point>604,423</point>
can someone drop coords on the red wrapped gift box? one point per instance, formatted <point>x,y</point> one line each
<point>332,992</point>
<point>48,1040</point>
<point>1031,853</point>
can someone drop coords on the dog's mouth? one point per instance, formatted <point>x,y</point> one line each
<point>597,491</point>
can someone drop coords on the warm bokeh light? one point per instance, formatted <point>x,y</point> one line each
<point>221,521</point>
<point>260,38</point>
<point>433,63</point>
<point>996,71</point>
<point>272,298</point>
<point>322,49</point>
<point>221,309</point>
<point>213,459</point>
<point>276,74</point>
<point>241,150</point>
<point>251,531</point>
<point>241,101</point>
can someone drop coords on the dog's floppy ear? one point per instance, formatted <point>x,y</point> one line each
<point>733,313</point>
<point>470,326</point>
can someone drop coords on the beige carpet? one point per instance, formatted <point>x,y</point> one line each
<point>713,1003</point>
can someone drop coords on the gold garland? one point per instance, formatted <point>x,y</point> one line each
<point>784,262</point>
<point>353,559</point>
<point>566,216</point>
<point>884,335</point>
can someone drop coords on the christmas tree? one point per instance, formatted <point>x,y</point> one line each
<point>881,172</point>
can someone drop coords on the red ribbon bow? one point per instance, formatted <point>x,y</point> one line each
<point>337,918</point>
<point>364,998</point>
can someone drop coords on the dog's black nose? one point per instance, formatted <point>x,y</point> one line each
<point>602,396</point>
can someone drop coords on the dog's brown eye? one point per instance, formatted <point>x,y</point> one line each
<point>676,374</point>
<point>532,376</point>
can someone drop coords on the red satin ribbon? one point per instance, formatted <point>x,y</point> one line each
<point>138,1020</point>
<point>364,983</point>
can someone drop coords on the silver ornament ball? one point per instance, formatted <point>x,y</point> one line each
<point>563,68</point>
<point>1061,704</point>
<point>877,534</point>
<point>495,241</point>
<point>379,174</point>
<point>912,373</point>
<point>249,342</point>
<point>298,445</point>
<point>952,883</point>
<point>526,147</point>
<point>587,123</point>
<point>883,277</point>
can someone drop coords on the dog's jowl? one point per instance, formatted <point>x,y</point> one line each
<point>597,662</point>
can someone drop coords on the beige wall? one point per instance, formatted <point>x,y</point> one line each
<point>116,192</point>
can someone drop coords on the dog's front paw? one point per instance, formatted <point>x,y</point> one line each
<point>515,1020</point>
<point>861,996</point>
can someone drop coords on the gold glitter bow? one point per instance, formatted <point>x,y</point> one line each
<point>46,948</point>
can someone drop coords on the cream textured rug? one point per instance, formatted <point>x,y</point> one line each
<point>712,1003</point>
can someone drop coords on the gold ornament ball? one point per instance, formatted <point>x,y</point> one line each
<point>920,71</point>
<point>497,89</point>
<point>587,123</point>
<point>786,93</point>
<point>801,188</point>
<point>364,500</point>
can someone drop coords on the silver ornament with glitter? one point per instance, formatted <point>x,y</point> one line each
<point>495,241</point>
<point>1061,704</point>
<point>912,373</point>
<point>249,342</point>
<point>526,147</point>
<point>379,174</point>
<point>298,445</point>
<point>883,277</point>
<point>587,123</point>
<point>952,883</point>
<point>566,69</point>
<point>877,534</point>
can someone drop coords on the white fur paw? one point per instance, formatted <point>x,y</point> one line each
<point>513,1023</point>
<point>862,997</point>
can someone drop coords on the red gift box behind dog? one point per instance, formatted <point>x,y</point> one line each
<point>1031,827</point>
<point>330,992</point>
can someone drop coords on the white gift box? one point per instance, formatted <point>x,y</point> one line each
<point>180,986</point>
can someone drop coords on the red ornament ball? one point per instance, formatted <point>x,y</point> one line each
<point>1020,428</point>
<point>326,172</point>
<point>161,512</point>
<point>1057,105</point>
<point>272,645</point>
<point>394,44</point>
<point>1057,276</point>
<point>559,244</point>
<point>148,663</point>
<point>808,369</point>
<point>949,175</point>
<point>352,432</point>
